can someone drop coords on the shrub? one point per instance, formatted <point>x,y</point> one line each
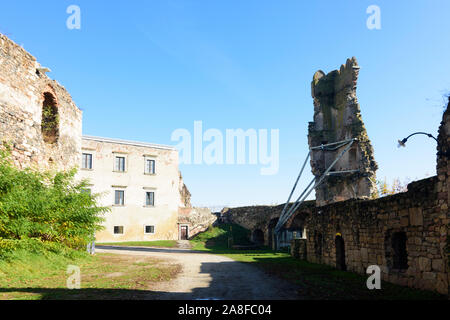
<point>45,209</point>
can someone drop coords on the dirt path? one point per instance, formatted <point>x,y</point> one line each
<point>207,276</point>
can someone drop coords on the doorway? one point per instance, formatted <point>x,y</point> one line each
<point>340,253</point>
<point>184,232</point>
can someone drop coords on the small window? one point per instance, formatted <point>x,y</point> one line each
<point>120,164</point>
<point>150,199</point>
<point>150,166</point>
<point>86,161</point>
<point>119,198</point>
<point>149,229</point>
<point>118,229</point>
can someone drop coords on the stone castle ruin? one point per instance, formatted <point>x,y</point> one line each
<point>42,126</point>
<point>38,118</point>
<point>406,234</point>
<point>337,117</point>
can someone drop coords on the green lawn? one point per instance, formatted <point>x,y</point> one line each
<point>103,276</point>
<point>157,243</point>
<point>315,281</point>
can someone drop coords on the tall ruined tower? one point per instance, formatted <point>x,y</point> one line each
<point>337,117</point>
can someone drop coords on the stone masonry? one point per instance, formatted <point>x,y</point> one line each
<point>38,118</point>
<point>406,234</point>
<point>337,117</point>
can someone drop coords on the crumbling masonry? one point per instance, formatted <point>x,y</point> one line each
<point>38,118</point>
<point>406,234</point>
<point>337,117</point>
<point>43,126</point>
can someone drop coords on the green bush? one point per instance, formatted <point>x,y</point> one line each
<point>45,210</point>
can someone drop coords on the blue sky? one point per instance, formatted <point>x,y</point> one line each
<point>141,69</point>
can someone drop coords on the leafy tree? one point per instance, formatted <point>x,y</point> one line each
<point>384,189</point>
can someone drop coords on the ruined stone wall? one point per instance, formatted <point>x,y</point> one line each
<point>264,218</point>
<point>406,235</point>
<point>185,195</point>
<point>197,219</point>
<point>367,228</point>
<point>443,173</point>
<point>23,89</point>
<point>337,117</point>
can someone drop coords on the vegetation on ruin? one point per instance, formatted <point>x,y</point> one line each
<point>315,281</point>
<point>32,276</point>
<point>50,123</point>
<point>43,212</point>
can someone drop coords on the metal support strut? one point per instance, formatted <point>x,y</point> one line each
<point>286,214</point>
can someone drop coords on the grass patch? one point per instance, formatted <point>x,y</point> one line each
<point>157,243</point>
<point>315,281</point>
<point>216,239</point>
<point>34,276</point>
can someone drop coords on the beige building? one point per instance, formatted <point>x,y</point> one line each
<point>141,184</point>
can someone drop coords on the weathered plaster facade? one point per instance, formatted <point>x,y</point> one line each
<point>24,87</point>
<point>135,182</point>
<point>337,117</point>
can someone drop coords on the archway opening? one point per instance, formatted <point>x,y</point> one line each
<point>258,237</point>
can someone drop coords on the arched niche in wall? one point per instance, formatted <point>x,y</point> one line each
<point>50,119</point>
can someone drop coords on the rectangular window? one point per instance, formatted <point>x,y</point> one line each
<point>86,161</point>
<point>120,164</point>
<point>149,166</point>
<point>118,229</point>
<point>150,199</point>
<point>150,229</point>
<point>119,198</point>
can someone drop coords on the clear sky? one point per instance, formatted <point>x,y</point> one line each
<point>141,69</point>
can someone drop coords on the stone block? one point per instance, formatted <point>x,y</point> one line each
<point>424,264</point>
<point>415,216</point>
<point>437,265</point>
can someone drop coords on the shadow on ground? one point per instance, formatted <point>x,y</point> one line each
<point>229,280</point>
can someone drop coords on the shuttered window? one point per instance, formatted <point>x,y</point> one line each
<point>86,161</point>
<point>119,197</point>
<point>150,199</point>
<point>120,164</point>
<point>150,166</point>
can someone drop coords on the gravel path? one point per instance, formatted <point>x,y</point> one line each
<point>207,276</point>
